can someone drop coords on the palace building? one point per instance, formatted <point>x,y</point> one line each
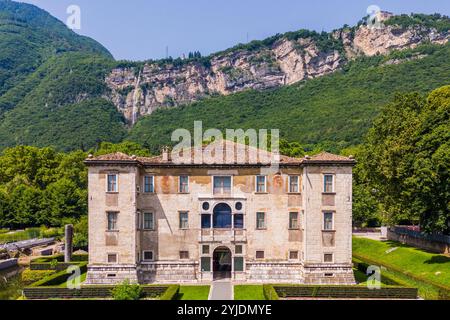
<point>155,220</point>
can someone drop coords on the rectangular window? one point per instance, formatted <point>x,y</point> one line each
<point>238,249</point>
<point>184,184</point>
<point>112,258</point>
<point>261,184</point>
<point>328,258</point>
<point>206,264</point>
<point>112,221</point>
<point>222,185</point>
<point>184,220</point>
<point>112,183</point>
<point>148,255</point>
<point>149,223</point>
<point>205,249</point>
<point>184,255</point>
<point>293,255</point>
<point>206,221</point>
<point>149,186</point>
<point>328,183</point>
<point>239,264</point>
<point>293,221</point>
<point>260,254</point>
<point>294,185</point>
<point>260,220</point>
<point>239,221</point>
<point>328,221</point>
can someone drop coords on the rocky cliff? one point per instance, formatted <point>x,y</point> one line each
<point>281,60</point>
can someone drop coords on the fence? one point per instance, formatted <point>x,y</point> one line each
<point>433,242</point>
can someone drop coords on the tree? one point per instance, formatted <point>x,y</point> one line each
<point>406,160</point>
<point>127,291</point>
<point>127,147</point>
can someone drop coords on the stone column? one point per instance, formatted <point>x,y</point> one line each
<point>68,247</point>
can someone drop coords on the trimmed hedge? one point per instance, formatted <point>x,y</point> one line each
<point>443,290</point>
<point>32,276</point>
<point>60,258</point>
<point>58,278</point>
<point>345,292</point>
<point>171,293</point>
<point>270,293</point>
<point>89,292</point>
<point>45,263</point>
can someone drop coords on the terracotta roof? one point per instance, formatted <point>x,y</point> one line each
<point>243,155</point>
<point>325,156</point>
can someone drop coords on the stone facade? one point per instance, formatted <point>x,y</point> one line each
<point>263,243</point>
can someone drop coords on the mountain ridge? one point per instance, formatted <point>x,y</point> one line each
<point>138,89</point>
<point>70,101</point>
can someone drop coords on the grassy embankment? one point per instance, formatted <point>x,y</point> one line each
<point>406,265</point>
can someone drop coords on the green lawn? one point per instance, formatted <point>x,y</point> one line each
<point>430,267</point>
<point>193,293</point>
<point>433,267</point>
<point>249,293</point>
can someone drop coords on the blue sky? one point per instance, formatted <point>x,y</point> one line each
<point>141,29</point>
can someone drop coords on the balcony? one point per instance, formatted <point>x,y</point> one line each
<point>223,235</point>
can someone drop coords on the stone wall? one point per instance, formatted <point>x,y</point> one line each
<point>433,246</point>
<point>266,272</point>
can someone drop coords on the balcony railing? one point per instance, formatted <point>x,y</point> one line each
<point>223,235</point>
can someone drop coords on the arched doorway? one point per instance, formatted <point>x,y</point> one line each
<point>222,265</point>
<point>223,218</point>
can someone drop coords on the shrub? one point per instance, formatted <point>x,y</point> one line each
<point>127,291</point>
<point>31,276</point>
<point>54,264</point>
<point>58,278</point>
<point>270,293</point>
<point>171,293</point>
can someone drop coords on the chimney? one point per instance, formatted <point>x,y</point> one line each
<point>165,154</point>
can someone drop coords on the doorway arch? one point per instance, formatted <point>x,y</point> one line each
<point>222,216</point>
<point>222,263</point>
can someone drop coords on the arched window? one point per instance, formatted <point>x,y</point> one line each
<point>222,217</point>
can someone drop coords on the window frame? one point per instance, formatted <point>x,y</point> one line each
<point>243,264</point>
<point>333,183</point>
<point>297,219</point>
<point>203,215</point>
<point>153,221</point>
<point>112,254</point>
<point>294,259</point>
<point>206,258</point>
<point>116,175</point>
<point>324,225</point>
<point>234,221</point>
<point>290,184</point>
<point>257,220</point>
<point>152,184</point>
<point>257,184</point>
<point>116,221</point>
<point>184,251</point>
<point>263,254</point>
<point>223,189</point>
<point>328,254</point>
<point>207,252</point>
<point>180,221</point>
<point>180,185</point>
<point>147,260</point>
